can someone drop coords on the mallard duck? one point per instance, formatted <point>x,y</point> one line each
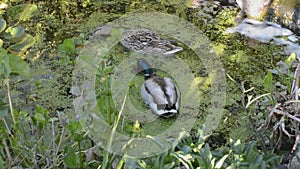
<point>161,94</point>
<point>146,42</point>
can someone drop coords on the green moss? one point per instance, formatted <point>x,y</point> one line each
<point>51,80</point>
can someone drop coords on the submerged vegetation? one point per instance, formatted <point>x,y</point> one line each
<point>41,108</point>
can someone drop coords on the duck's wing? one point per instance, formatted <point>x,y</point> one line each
<point>138,39</point>
<point>172,91</point>
<point>161,94</point>
<point>152,93</point>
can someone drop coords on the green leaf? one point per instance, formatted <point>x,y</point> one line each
<point>189,3</point>
<point>1,43</point>
<point>28,11</point>
<point>134,163</point>
<point>169,165</point>
<point>268,82</point>
<point>2,25</point>
<point>18,66</point>
<point>250,154</point>
<point>221,161</point>
<point>207,152</point>
<point>21,12</point>
<point>270,157</point>
<point>2,164</point>
<point>256,163</point>
<point>14,33</point>
<point>40,117</point>
<point>53,119</point>
<point>236,146</point>
<point>72,160</point>
<point>67,47</point>
<point>206,157</point>
<point>4,107</point>
<point>108,69</point>
<point>290,59</point>
<point>78,137</point>
<point>74,126</point>
<point>186,149</point>
<point>26,42</point>
<point>5,69</point>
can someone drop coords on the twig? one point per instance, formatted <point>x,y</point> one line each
<point>7,150</point>
<point>7,128</point>
<point>246,106</point>
<point>60,140</point>
<point>284,130</point>
<point>297,142</point>
<point>286,114</point>
<point>81,98</point>
<point>53,144</point>
<point>253,100</point>
<point>295,83</point>
<point>10,101</point>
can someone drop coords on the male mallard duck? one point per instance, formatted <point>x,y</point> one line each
<point>146,42</point>
<point>161,94</point>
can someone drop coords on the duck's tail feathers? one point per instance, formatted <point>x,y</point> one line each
<point>169,113</point>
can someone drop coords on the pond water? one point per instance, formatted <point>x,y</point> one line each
<point>85,89</point>
<point>241,63</point>
<point>242,59</point>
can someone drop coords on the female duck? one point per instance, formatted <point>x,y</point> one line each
<point>146,42</point>
<point>161,94</point>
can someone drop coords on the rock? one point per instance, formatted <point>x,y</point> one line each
<point>294,164</point>
<point>266,32</point>
<point>286,13</point>
<point>253,9</point>
<point>262,31</point>
<point>102,31</point>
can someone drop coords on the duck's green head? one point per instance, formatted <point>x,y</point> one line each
<point>147,70</point>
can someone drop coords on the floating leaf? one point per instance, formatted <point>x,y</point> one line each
<point>2,25</point>
<point>23,45</point>
<point>14,34</point>
<point>21,12</point>
<point>28,11</point>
